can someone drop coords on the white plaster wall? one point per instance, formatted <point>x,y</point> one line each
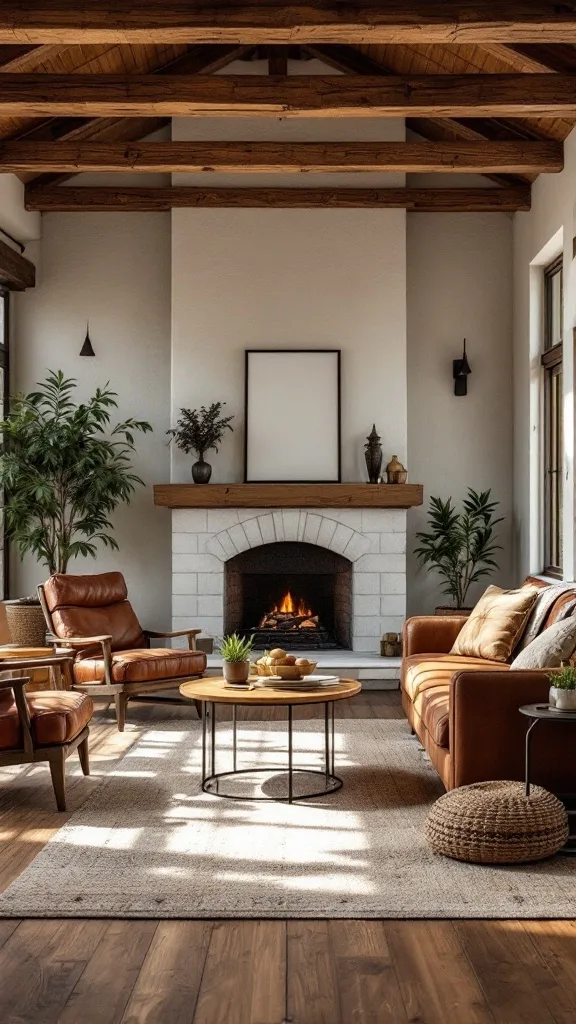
<point>548,226</point>
<point>115,270</point>
<point>458,285</point>
<point>22,224</point>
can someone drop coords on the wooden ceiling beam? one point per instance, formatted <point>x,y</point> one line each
<point>282,157</point>
<point>16,272</point>
<point>179,21</point>
<point>557,57</point>
<point>522,95</point>
<point>87,199</point>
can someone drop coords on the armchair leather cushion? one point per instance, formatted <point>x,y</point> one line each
<point>142,666</point>
<point>90,591</point>
<point>56,717</point>
<point>117,620</point>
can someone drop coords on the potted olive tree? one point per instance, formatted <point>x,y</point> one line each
<point>63,469</point>
<point>459,545</point>
<point>199,431</point>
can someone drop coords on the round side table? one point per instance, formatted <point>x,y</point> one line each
<point>543,713</point>
<point>212,692</point>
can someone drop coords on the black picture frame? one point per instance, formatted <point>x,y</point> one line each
<point>333,352</point>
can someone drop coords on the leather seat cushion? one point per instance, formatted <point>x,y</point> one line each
<point>56,717</point>
<point>425,670</point>
<point>434,711</point>
<point>143,666</point>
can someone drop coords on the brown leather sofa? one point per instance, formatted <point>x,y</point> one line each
<point>465,710</point>
<point>113,655</point>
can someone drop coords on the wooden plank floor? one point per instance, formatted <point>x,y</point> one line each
<point>262,972</point>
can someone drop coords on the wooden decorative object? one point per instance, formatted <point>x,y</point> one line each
<point>288,495</point>
<point>396,473</point>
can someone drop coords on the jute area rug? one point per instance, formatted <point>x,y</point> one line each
<point>148,843</point>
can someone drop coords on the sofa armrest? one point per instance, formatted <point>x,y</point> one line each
<point>488,733</point>
<point>431,634</point>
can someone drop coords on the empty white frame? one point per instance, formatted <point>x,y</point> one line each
<point>292,416</point>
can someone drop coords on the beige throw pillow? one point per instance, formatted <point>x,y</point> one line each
<point>554,645</point>
<point>496,624</point>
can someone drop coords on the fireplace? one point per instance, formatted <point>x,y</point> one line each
<point>289,594</point>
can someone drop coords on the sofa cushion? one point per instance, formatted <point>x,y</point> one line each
<point>142,666</point>
<point>56,717</point>
<point>496,624</point>
<point>553,646</point>
<point>425,670</point>
<point>435,714</point>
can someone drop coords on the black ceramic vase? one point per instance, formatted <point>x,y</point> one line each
<point>201,471</point>
<point>373,456</point>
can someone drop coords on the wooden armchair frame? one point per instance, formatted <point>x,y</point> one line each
<point>142,692</point>
<point>30,752</point>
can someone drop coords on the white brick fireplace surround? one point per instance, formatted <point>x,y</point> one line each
<point>374,540</point>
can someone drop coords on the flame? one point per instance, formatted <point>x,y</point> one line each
<point>289,606</point>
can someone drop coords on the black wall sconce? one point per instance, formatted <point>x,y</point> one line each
<point>87,349</point>
<point>460,371</point>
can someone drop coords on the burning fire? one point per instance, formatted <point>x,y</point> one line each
<point>289,614</point>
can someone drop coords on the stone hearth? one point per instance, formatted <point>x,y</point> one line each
<point>373,540</point>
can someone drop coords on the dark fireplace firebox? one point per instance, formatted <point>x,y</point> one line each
<point>291,595</point>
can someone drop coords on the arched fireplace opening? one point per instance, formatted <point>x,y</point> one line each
<point>290,594</point>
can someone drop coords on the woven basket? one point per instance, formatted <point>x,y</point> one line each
<point>496,823</point>
<point>26,624</point>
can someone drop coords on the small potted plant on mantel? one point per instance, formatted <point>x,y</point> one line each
<point>563,689</point>
<point>236,651</point>
<point>460,546</point>
<point>64,470</point>
<point>199,431</point>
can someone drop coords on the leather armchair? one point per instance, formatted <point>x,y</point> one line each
<point>46,726</point>
<point>112,652</point>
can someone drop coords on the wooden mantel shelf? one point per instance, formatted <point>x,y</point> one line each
<point>288,495</point>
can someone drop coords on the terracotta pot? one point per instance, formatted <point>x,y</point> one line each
<point>236,671</point>
<point>448,609</point>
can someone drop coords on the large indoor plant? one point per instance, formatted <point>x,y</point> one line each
<point>64,469</point>
<point>459,545</point>
<point>199,431</point>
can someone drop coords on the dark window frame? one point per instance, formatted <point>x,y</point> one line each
<point>553,423</point>
<point>5,366</point>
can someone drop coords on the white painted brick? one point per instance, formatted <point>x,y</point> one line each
<point>378,673</point>
<point>382,563</point>
<point>189,520</point>
<point>210,604</point>
<point>373,547</point>
<point>392,583</point>
<point>342,535</point>
<point>393,604</point>
<point>248,513</point>
<point>351,517</point>
<point>367,604</point>
<point>221,519</point>
<point>367,625</point>
<point>215,548</point>
<point>366,643</point>
<point>366,583</point>
<point>212,625</point>
<point>357,546</point>
<point>266,524</point>
<point>326,532</point>
<point>291,520</point>
<point>239,538</point>
<point>184,606</point>
<point>185,543</point>
<point>385,520</point>
<point>392,543</point>
<point>302,525</point>
<point>204,541</point>
<point>210,582</point>
<point>278,524</point>
<point>184,583</point>
<point>196,563</point>
<point>227,544</point>
<point>252,531</point>
<point>312,527</point>
<point>392,623</point>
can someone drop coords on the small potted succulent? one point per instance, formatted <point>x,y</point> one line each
<point>198,431</point>
<point>236,651</point>
<point>562,694</point>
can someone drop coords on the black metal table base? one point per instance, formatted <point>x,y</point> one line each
<point>211,779</point>
<point>569,801</point>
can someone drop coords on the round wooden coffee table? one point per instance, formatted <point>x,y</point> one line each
<point>211,692</point>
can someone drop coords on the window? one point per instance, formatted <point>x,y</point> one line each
<point>4,353</point>
<point>553,432</point>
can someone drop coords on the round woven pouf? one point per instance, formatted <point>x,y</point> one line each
<point>496,823</point>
